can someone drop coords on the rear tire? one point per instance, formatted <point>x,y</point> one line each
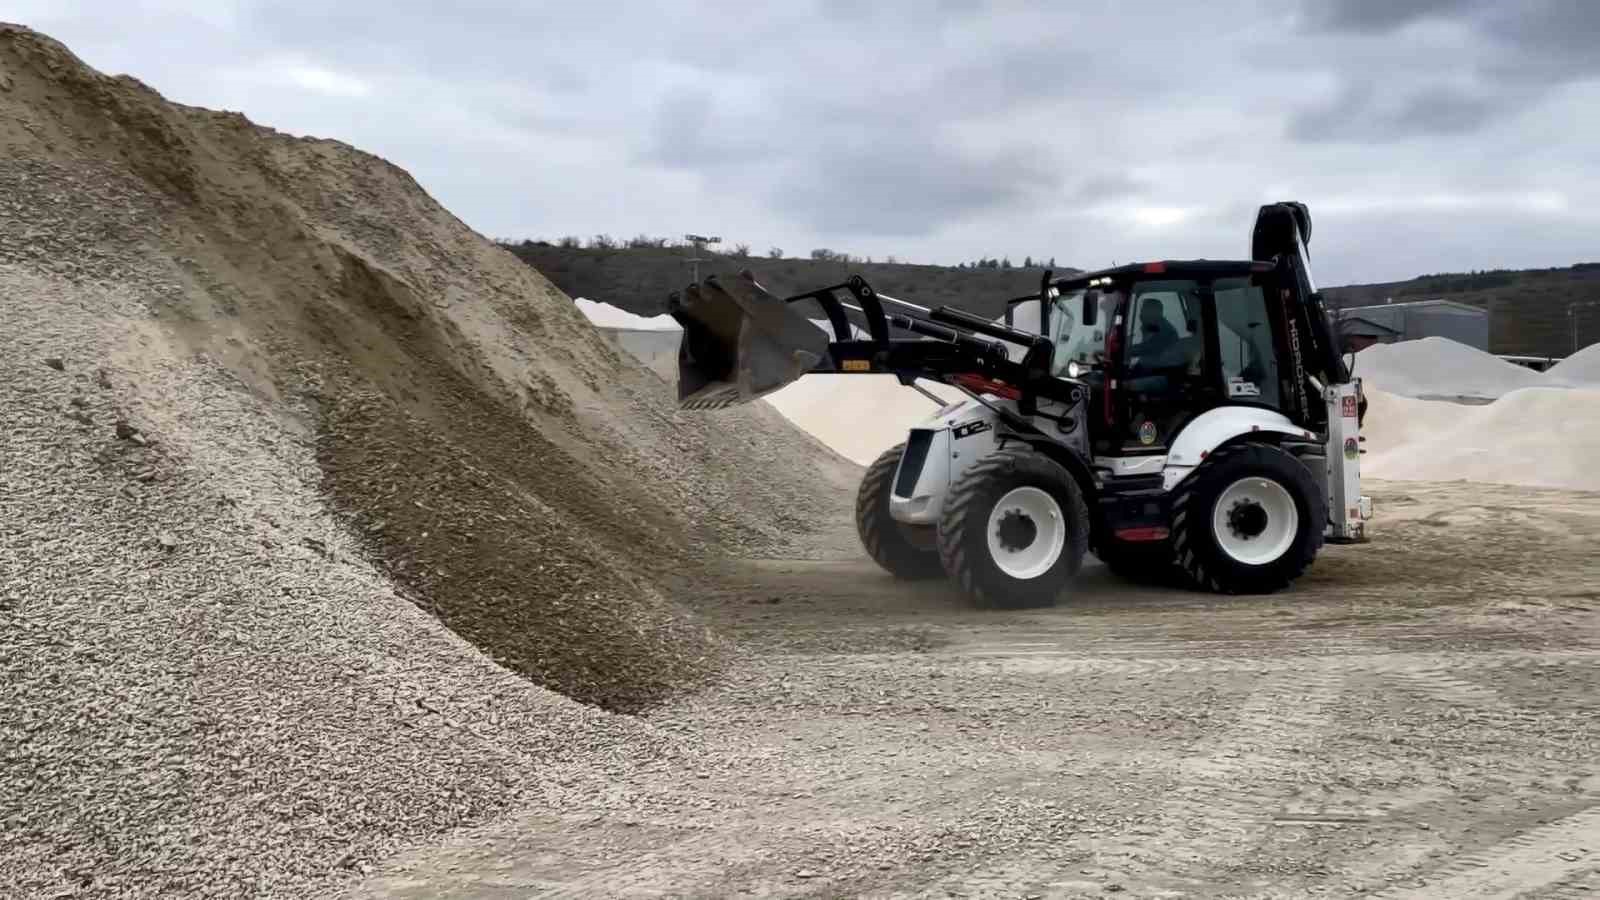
<point>1014,527</point>
<point>902,552</point>
<point>1248,521</point>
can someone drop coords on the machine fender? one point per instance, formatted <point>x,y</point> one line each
<point>955,437</point>
<point>1215,427</point>
<point>1070,460</point>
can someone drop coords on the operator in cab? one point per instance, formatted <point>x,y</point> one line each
<point>1156,334</point>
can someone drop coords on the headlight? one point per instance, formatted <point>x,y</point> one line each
<point>1075,369</point>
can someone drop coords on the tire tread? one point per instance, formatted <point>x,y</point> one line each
<point>955,540</point>
<point>879,533</point>
<point>1191,554</point>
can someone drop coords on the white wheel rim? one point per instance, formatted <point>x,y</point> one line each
<point>1255,521</point>
<point>1027,533</point>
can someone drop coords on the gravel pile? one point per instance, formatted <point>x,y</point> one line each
<point>472,537</point>
<point>206,689</point>
<point>302,485</point>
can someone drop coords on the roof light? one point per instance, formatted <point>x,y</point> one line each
<point>1155,268</point>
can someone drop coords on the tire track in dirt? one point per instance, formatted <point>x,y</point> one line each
<point>1556,860</point>
<point>1225,791</point>
<point>1233,789</point>
<point>1428,669</point>
<point>1438,684</point>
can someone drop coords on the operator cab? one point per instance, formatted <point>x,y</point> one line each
<point>1161,343</point>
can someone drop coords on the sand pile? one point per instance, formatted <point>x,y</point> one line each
<point>1541,437</point>
<point>1581,369</point>
<point>604,315</point>
<point>1440,368</point>
<point>1536,430</point>
<point>857,416</point>
<point>264,407</point>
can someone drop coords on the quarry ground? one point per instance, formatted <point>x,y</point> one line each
<point>1415,719</point>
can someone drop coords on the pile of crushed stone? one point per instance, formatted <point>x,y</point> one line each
<point>309,497</point>
<point>1581,369</point>
<point>205,686</point>
<point>1442,369</point>
<point>1539,437</point>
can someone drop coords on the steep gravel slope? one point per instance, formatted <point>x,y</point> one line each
<point>305,488</point>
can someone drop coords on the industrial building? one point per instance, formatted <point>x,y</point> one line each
<point>1386,323</point>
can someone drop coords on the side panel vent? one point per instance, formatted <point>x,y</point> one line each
<point>912,461</point>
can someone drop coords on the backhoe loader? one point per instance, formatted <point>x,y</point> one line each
<point>1191,418</point>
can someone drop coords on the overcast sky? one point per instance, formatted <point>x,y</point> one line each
<point>1426,135</point>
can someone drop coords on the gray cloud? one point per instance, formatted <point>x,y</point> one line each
<point>1366,111</point>
<point>910,185</point>
<point>1383,15</point>
<point>1502,59</point>
<point>1108,186</point>
<point>936,132</point>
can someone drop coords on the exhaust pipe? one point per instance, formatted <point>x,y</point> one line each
<point>740,342</point>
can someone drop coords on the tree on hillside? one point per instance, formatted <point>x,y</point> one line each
<point>1052,262</point>
<point>774,253</point>
<point>602,242</point>
<point>1027,262</point>
<point>741,251</point>
<point>570,242</point>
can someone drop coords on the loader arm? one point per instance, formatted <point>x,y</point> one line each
<point>742,342</point>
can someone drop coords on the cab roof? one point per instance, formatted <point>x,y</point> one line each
<point>1167,268</point>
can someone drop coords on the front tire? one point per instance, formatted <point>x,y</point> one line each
<point>1248,521</point>
<point>1014,527</point>
<point>902,552</point>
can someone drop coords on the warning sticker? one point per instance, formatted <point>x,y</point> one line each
<point>1238,387</point>
<point>1348,407</point>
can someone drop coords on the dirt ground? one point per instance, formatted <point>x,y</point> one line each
<point>1415,719</point>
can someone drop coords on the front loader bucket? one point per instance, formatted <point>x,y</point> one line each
<point>740,342</point>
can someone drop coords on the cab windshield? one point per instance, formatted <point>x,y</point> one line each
<point>1074,341</point>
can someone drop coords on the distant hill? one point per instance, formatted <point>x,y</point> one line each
<point>1528,309</point>
<point>638,279</point>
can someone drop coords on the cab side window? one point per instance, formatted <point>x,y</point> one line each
<point>1163,373</point>
<point>1244,336</point>
<point>1164,332</point>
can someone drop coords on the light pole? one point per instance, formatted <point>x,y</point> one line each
<point>1572,316</point>
<point>700,242</point>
